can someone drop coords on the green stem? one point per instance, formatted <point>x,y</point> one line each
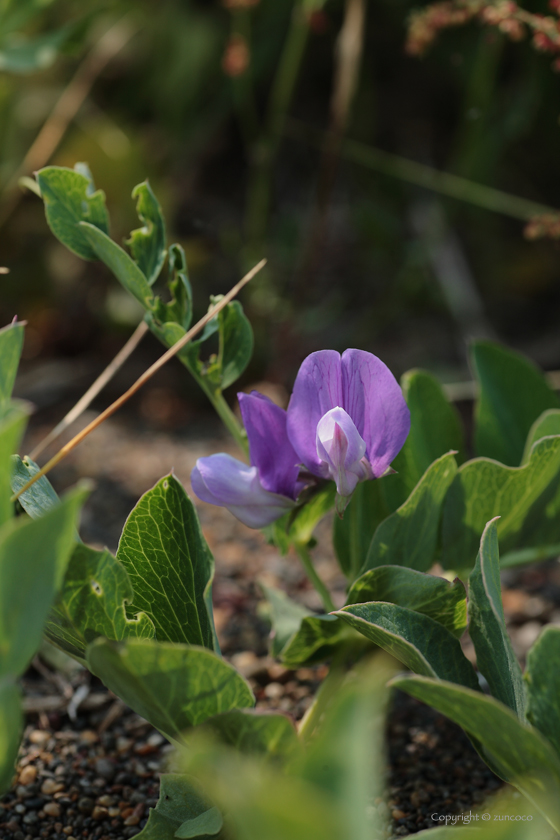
<point>445,183</point>
<point>259,192</point>
<point>223,411</point>
<point>327,690</point>
<point>320,587</point>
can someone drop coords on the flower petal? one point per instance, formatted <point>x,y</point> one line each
<point>317,389</point>
<point>373,399</point>
<point>222,480</point>
<point>342,449</point>
<point>269,447</point>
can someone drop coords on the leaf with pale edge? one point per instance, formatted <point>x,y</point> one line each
<point>435,597</point>
<point>487,628</point>
<point>421,643</point>
<point>92,603</point>
<point>262,733</point>
<point>516,751</point>
<point>41,496</point>
<point>69,199</point>
<point>169,564</point>
<point>513,393</point>
<point>12,426</point>
<point>547,425</point>
<point>33,557</point>
<point>409,536</point>
<point>173,686</point>
<point>520,496</point>
<point>542,677</point>
<point>147,244</point>
<point>179,802</point>
<point>118,261</point>
<point>315,641</point>
<point>286,617</point>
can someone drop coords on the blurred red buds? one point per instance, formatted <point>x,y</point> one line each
<point>236,57</point>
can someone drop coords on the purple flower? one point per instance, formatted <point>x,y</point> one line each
<point>347,418</point>
<point>260,493</point>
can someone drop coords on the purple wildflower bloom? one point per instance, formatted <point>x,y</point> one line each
<point>347,418</point>
<point>260,493</point>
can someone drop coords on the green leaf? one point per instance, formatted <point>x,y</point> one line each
<point>435,597</point>
<point>236,343</point>
<point>41,496</point>
<point>517,751</point>
<point>543,685</point>
<point>12,425</point>
<point>353,533</point>
<point>513,393</point>
<point>207,824</point>
<point>487,628</point>
<point>261,802</point>
<point>345,756</point>
<point>69,199</point>
<point>421,643</point>
<point>250,731</point>
<point>38,549</point>
<point>117,260</point>
<point>170,565</point>
<point>173,686</point>
<point>315,641</point>
<point>179,310</point>
<point>435,429</point>
<point>544,426</point>
<point>179,802</point>
<point>11,728</point>
<point>286,617</point>
<point>148,243</point>
<point>526,499</point>
<point>92,603</point>
<point>307,518</point>
<point>409,536</point>
<point>11,345</point>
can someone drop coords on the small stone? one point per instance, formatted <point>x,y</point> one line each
<point>106,801</point>
<point>134,819</point>
<point>156,740</point>
<point>127,813</point>
<point>415,799</point>
<point>50,786</point>
<point>88,736</point>
<point>85,805</point>
<point>67,830</point>
<point>99,813</point>
<point>136,798</point>
<point>52,809</point>
<point>114,812</point>
<point>39,736</point>
<point>105,768</point>
<point>274,690</point>
<point>12,826</point>
<point>124,744</point>
<point>31,818</point>
<point>27,775</point>
<point>397,814</point>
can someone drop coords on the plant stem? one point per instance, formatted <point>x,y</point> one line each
<point>320,587</point>
<point>226,415</point>
<point>327,689</point>
<point>258,199</point>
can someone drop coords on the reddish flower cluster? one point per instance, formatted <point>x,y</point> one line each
<point>547,225</point>
<point>236,58</point>
<point>506,15</point>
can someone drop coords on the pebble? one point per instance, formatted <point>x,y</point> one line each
<point>50,786</point>
<point>85,805</point>
<point>105,768</point>
<point>27,775</point>
<point>39,736</point>
<point>52,809</point>
<point>99,813</point>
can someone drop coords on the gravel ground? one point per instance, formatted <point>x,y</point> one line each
<point>76,727</point>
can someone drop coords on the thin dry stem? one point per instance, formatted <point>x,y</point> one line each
<point>67,106</point>
<point>62,453</point>
<point>96,388</point>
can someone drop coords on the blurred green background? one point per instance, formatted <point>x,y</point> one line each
<point>224,105</point>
